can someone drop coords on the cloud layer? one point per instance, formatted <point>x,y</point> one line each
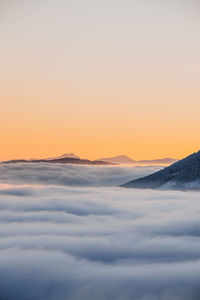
<point>71,175</point>
<point>102,243</point>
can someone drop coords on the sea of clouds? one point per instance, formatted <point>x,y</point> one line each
<point>65,240</point>
<point>72,175</point>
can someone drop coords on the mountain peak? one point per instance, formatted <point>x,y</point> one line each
<point>119,159</point>
<point>69,155</point>
<point>65,155</point>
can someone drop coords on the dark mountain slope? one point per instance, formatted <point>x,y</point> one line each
<point>179,175</point>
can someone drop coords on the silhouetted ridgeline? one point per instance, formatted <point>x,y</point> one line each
<point>66,160</point>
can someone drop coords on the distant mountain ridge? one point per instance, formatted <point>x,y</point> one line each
<point>66,160</point>
<point>184,174</point>
<point>124,159</point>
<point>120,159</point>
<point>115,160</point>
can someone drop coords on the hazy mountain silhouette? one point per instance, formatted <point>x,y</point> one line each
<point>159,161</point>
<point>124,159</point>
<point>184,174</point>
<point>120,159</point>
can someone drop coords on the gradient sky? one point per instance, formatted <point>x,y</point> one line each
<point>99,78</point>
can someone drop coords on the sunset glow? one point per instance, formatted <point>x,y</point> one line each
<point>99,78</point>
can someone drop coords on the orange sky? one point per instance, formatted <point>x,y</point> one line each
<point>99,79</point>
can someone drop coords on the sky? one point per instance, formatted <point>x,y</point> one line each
<point>99,78</point>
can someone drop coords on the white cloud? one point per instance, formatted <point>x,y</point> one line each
<point>61,242</point>
<point>72,175</point>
